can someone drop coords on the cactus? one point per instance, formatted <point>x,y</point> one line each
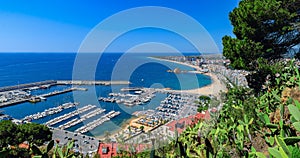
<point>42,154</point>
<point>66,153</point>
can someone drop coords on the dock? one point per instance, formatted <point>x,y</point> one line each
<point>69,115</point>
<point>76,121</point>
<point>47,84</point>
<point>28,85</point>
<point>59,92</point>
<point>97,122</point>
<point>50,111</point>
<point>89,82</point>
<point>140,96</point>
<point>13,102</point>
<point>132,89</point>
<point>22,100</point>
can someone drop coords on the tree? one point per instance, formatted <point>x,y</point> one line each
<point>263,29</point>
<point>42,153</point>
<point>12,134</point>
<point>35,133</point>
<point>142,128</point>
<point>8,134</point>
<point>107,137</point>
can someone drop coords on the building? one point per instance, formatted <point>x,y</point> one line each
<point>108,150</point>
<point>181,124</point>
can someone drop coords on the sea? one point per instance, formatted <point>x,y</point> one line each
<point>138,68</point>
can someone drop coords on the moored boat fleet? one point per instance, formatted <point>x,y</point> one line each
<point>69,115</point>
<point>97,122</point>
<point>87,112</point>
<point>140,96</point>
<point>50,111</point>
<point>76,121</point>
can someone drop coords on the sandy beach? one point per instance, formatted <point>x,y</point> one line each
<point>213,89</point>
<point>124,126</point>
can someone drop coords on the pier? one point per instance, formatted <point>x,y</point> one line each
<point>89,82</point>
<point>141,96</point>
<point>13,102</point>
<point>76,121</point>
<point>50,111</point>
<point>69,115</point>
<point>98,122</point>
<point>47,84</point>
<point>28,85</point>
<point>132,89</point>
<point>34,98</point>
<point>60,92</point>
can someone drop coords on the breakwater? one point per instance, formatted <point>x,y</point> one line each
<point>28,85</point>
<point>89,82</point>
<point>61,82</point>
<point>11,95</point>
<point>18,100</point>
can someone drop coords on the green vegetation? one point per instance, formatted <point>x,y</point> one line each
<point>260,121</point>
<point>263,120</point>
<point>263,29</point>
<point>42,153</point>
<point>11,135</point>
<point>204,103</point>
<point>250,124</point>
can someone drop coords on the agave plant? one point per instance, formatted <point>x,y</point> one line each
<point>40,153</point>
<point>64,153</point>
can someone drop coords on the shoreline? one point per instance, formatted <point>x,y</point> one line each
<point>214,88</point>
<point>123,126</point>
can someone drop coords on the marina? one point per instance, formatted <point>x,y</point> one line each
<point>87,82</point>
<point>97,122</point>
<point>50,111</point>
<point>168,108</point>
<point>140,96</point>
<point>47,84</point>
<point>69,115</point>
<point>76,121</point>
<point>20,97</point>
<point>88,118</point>
<point>28,85</point>
<point>11,95</point>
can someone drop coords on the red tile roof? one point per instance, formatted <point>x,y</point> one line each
<point>24,146</point>
<point>181,124</point>
<point>111,149</point>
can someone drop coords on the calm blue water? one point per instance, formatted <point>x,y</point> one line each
<point>18,68</point>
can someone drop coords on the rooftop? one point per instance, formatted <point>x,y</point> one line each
<point>109,150</point>
<point>181,124</point>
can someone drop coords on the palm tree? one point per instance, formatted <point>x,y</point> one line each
<point>142,128</point>
<point>129,129</point>
<point>107,137</point>
<point>143,137</point>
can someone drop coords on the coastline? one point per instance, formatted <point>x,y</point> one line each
<point>124,126</point>
<point>212,89</point>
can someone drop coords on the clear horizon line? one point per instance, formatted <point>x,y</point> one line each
<point>109,52</point>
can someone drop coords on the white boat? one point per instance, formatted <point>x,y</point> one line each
<point>43,98</point>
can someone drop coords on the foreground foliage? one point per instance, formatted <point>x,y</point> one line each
<point>11,135</point>
<point>249,124</point>
<point>263,29</point>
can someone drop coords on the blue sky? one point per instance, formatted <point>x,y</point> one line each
<point>61,25</point>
